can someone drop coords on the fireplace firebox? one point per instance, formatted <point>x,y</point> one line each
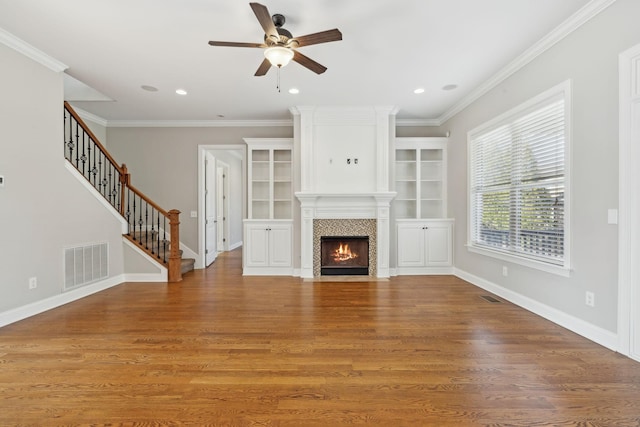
<point>344,255</point>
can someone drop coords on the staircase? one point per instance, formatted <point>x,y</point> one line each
<point>151,228</point>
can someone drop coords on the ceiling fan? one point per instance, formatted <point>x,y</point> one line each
<point>280,45</point>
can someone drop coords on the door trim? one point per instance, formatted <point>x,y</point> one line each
<point>200,260</point>
<point>628,204</point>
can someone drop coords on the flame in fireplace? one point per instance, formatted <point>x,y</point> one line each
<point>343,253</point>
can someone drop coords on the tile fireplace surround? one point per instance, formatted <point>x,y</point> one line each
<point>345,227</point>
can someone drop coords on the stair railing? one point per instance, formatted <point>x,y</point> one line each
<point>147,222</point>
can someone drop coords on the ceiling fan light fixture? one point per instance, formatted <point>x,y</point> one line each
<point>279,56</point>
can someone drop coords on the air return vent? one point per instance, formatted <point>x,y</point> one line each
<point>85,264</point>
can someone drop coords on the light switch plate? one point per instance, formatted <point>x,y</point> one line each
<point>612,216</point>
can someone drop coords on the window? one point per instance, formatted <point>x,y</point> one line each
<point>518,172</point>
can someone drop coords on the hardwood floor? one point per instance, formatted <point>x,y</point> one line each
<point>225,350</point>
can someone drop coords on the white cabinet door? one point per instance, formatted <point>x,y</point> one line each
<point>438,242</point>
<point>280,245</point>
<point>256,246</point>
<point>411,245</point>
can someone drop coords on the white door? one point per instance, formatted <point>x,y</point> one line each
<point>280,245</point>
<point>211,243</point>
<point>629,205</point>
<point>221,201</point>
<point>438,246</point>
<point>256,249</point>
<point>411,245</point>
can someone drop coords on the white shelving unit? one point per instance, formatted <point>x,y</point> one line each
<point>268,230</point>
<point>424,236</point>
<point>270,172</point>
<point>420,178</point>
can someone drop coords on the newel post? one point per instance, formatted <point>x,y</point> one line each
<point>175,273</point>
<point>125,180</point>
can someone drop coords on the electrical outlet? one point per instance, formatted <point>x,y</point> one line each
<point>33,282</point>
<point>590,299</point>
<point>505,271</point>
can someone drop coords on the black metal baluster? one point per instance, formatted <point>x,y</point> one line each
<point>128,212</point>
<point>133,218</point>
<point>77,145</point>
<point>70,142</point>
<point>84,154</point>
<point>109,192</point>
<point>94,169</point>
<point>140,220</point>
<point>164,240</point>
<point>89,166</point>
<point>158,235</point>
<point>146,229</point>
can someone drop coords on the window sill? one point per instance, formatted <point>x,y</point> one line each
<point>537,265</point>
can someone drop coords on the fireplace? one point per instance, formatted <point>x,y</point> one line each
<point>344,255</point>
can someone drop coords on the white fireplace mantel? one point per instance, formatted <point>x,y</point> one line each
<point>345,206</point>
<point>344,167</point>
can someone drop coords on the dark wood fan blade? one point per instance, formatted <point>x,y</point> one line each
<point>321,37</point>
<point>264,18</point>
<point>236,44</point>
<point>305,61</point>
<point>263,68</point>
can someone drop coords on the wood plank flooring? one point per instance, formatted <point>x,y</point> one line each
<point>220,349</point>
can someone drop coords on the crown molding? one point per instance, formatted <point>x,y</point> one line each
<point>572,23</point>
<point>29,51</point>
<point>85,115</point>
<point>197,123</point>
<point>418,122</point>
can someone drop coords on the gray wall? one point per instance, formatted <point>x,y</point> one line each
<point>589,57</point>
<point>163,163</point>
<point>43,208</point>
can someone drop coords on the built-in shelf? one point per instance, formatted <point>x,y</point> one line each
<point>270,174</point>
<point>420,178</point>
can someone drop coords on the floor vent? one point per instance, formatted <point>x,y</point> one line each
<point>85,264</point>
<point>489,298</point>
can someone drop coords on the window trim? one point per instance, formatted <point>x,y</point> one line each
<point>563,89</point>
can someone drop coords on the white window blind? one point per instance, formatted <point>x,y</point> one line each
<point>518,182</point>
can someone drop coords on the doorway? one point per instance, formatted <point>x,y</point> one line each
<point>629,205</point>
<point>221,199</point>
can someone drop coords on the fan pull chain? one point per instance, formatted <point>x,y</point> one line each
<point>278,82</point>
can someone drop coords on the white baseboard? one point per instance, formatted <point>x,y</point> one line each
<point>592,332</point>
<point>421,271</point>
<point>47,304</point>
<point>147,277</point>
<point>235,245</point>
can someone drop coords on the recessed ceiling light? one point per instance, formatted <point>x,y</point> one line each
<point>181,92</point>
<point>449,87</point>
<point>149,88</point>
<point>419,90</point>
<point>294,90</point>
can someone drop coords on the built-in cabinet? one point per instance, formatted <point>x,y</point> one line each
<point>268,230</point>
<point>423,233</point>
<point>267,247</point>
<point>425,246</point>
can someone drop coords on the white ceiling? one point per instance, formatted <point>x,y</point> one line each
<point>389,48</point>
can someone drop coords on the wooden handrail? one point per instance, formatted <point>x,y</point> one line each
<point>148,200</point>
<point>92,135</point>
